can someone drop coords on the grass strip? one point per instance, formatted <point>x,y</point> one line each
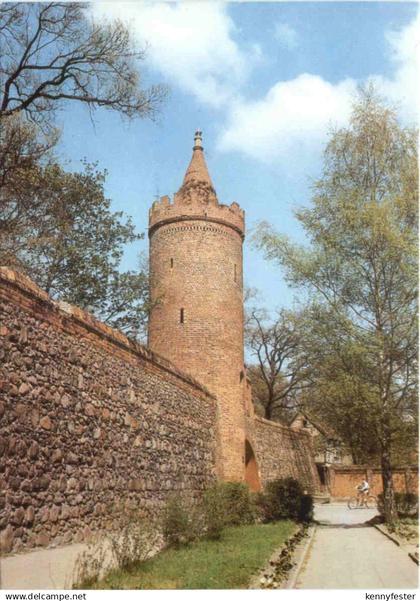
<point>228,563</point>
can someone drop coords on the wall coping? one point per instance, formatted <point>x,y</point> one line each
<point>360,467</point>
<point>268,422</point>
<point>16,279</point>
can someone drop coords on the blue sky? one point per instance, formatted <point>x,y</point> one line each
<point>265,82</point>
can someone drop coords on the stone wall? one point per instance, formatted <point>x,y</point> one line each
<point>89,421</point>
<point>343,480</point>
<point>282,452</point>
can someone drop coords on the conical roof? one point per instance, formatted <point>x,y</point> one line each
<point>197,184</point>
<point>197,169</point>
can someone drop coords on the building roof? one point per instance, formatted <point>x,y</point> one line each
<point>318,425</point>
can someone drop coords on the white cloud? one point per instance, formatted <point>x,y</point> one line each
<point>403,88</point>
<point>292,118</point>
<point>193,45</point>
<point>190,43</point>
<point>286,35</point>
<point>291,121</point>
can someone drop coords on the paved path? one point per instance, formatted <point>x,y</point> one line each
<point>44,568</point>
<point>347,554</point>
<point>40,569</point>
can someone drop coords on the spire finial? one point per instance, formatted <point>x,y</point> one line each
<point>198,140</point>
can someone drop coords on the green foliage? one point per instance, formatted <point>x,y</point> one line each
<point>227,563</point>
<point>306,508</point>
<point>407,504</point>
<point>285,499</point>
<point>55,225</point>
<point>214,518</point>
<point>361,271</point>
<point>236,503</point>
<point>133,540</point>
<point>136,540</point>
<point>222,505</point>
<point>73,243</point>
<point>181,522</point>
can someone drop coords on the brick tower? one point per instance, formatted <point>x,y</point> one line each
<point>197,296</point>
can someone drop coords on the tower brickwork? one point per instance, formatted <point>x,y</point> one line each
<point>196,287</point>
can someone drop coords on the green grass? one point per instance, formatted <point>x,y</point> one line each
<point>225,564</point>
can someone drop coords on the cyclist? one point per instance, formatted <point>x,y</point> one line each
<point>362,492</point>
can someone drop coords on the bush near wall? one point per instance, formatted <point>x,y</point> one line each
<point>222,505</point>
<point>285,499</point>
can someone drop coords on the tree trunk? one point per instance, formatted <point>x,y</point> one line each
<point>389,501</point>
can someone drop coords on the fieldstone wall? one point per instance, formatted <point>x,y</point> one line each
<point>282,453</point>
<point>89,422</point>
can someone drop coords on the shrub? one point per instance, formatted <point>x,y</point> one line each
<point>407,503</point>
<point>285,499</point>
<point>91,564</point>
<point>237,504</point>
<point>132,541</point>
<point>226,504</point>
<point>182,522</point>
<point>306,508</point>
<point>214,519</point>
<point>136,540</point>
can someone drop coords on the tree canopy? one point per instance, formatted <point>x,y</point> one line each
<point>58,226</point>
<point>71,244</point>
<point>53,53</point>
<point>279,375</point>
<point>360,268</point>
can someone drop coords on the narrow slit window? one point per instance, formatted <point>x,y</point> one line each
<point>181,316</point>
<point>234,272</point>
<point>172,263</point>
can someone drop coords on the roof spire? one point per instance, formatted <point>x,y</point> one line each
<point>197,181</point>
<point>198,140</point>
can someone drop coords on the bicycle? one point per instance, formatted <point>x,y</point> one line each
<point>368,502</point>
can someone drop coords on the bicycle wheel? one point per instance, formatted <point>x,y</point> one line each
<point>370,502</point>
<point>352,504</point>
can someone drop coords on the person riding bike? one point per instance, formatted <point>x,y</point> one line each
<point>362,492</point>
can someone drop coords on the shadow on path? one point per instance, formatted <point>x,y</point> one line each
<point>346,526</point>
<point>377,519</point>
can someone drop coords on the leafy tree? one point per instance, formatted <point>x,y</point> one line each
<point>58,226</point>
<point>339,391</point>
<point>74,251</point>
<point>280,372</point>
<point>362,260</point>
<point>22,152</point>
<point>52,52</point>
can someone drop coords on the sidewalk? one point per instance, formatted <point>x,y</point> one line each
<point>41,569</point>
<point>347,554</point>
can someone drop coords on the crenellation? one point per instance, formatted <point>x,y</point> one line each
<point>163,212</point>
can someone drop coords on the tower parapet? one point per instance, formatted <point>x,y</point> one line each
<point>164,211</point>
<point>196,199</point>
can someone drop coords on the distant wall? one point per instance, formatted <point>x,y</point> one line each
<point>343,480</point>
<point>282,452</point>
<point>88,420</point>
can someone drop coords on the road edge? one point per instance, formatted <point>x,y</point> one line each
<point>290,583</point>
